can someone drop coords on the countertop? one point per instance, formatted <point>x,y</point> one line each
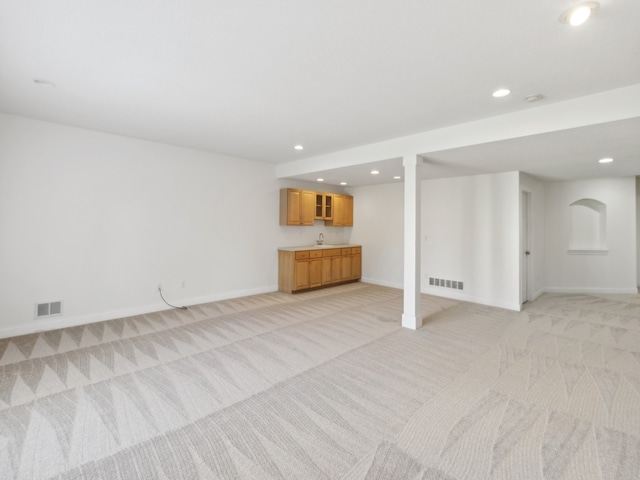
<point>317,247</point>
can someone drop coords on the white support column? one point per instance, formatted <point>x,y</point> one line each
<point>411,317</point>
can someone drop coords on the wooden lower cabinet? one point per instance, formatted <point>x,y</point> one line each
<point>326,271</point>
<point>306,269</point>
<point>336,269</point>
<point>302,274</point>
<point>315,272</point>
<point>346,267</point>
<point>356,262</point>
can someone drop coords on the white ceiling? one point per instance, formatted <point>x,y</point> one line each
<point>253,78</point>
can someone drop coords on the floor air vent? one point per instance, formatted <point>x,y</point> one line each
<point>48,309</point>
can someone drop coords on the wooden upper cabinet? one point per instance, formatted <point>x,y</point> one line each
<point>293,202</point>
<point>338,211</point>
<point>297,207</point>
<point>319,206</point>
<point>342,211</point>
<point>324,206</point>
<point>303,207</point>
<point>328,206</point>
<point>306,208</point>
<point>347,212</point>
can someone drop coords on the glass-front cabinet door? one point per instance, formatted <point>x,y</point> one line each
<point>328,206</point>
<point>324,206</point>
<point>319,206</point>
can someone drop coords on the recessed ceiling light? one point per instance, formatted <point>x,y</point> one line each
<point>501,92</point>
<point>397,177</point>
<point>343,183</point>
<point>533,98</point>
<point>579,14</point>
<point>43,83</point>
<point>321,180</point>
<point>605,160</point>
<point>299,147</point>
<point>374,172</point>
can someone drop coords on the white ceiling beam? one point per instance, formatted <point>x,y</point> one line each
<point>613,105</point>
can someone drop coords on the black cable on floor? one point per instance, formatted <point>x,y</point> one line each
<point>162,297</point>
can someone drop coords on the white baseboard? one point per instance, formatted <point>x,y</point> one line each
<point>452,294</point>
<point>61,322</point>
<point>536,294</point>
<point>455,295</point>
<point>382,283</point>
<point>227,295</point>
<point>590,290</point>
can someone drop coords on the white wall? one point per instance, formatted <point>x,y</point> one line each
<point>535,189</point>
<point>638,231</point>
<point>611,273</point>
<point>472,230</point>
<point>378,227</point>
<point>98,220</point>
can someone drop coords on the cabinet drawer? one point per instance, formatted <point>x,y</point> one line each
<point>315,253</point>
<point>355,250</point>
<point>302,255</point>
<point>332,252</point>
<point>346,251</point>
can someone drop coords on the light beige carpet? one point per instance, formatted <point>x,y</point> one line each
<point>326,385</point>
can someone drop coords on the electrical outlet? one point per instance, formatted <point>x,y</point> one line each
<point>159,286</point>
<point>184,283</point>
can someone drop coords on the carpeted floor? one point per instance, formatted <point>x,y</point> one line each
<point>326,385</point>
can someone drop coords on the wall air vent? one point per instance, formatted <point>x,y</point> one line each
<point>48,309</point>
<point>440,282</point>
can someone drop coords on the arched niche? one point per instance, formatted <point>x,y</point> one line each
<point>588,227</point>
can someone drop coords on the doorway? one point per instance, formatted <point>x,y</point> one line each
<point>525,245</point>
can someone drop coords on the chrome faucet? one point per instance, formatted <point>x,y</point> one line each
<point>320,240</point>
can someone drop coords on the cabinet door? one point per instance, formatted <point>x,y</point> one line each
<point>323,208</point>
<point>356,266</point>
<point>336,269</point>
<point>294,200</point>
<point>302,274</point>
<point>326,271</point>
<point>307,207</point>
<point>328,206</point>
<point>315,272</point>
<point>347,213</point>
<point>319,206</point>
<point>338,210</point>
<point>346,267</point>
